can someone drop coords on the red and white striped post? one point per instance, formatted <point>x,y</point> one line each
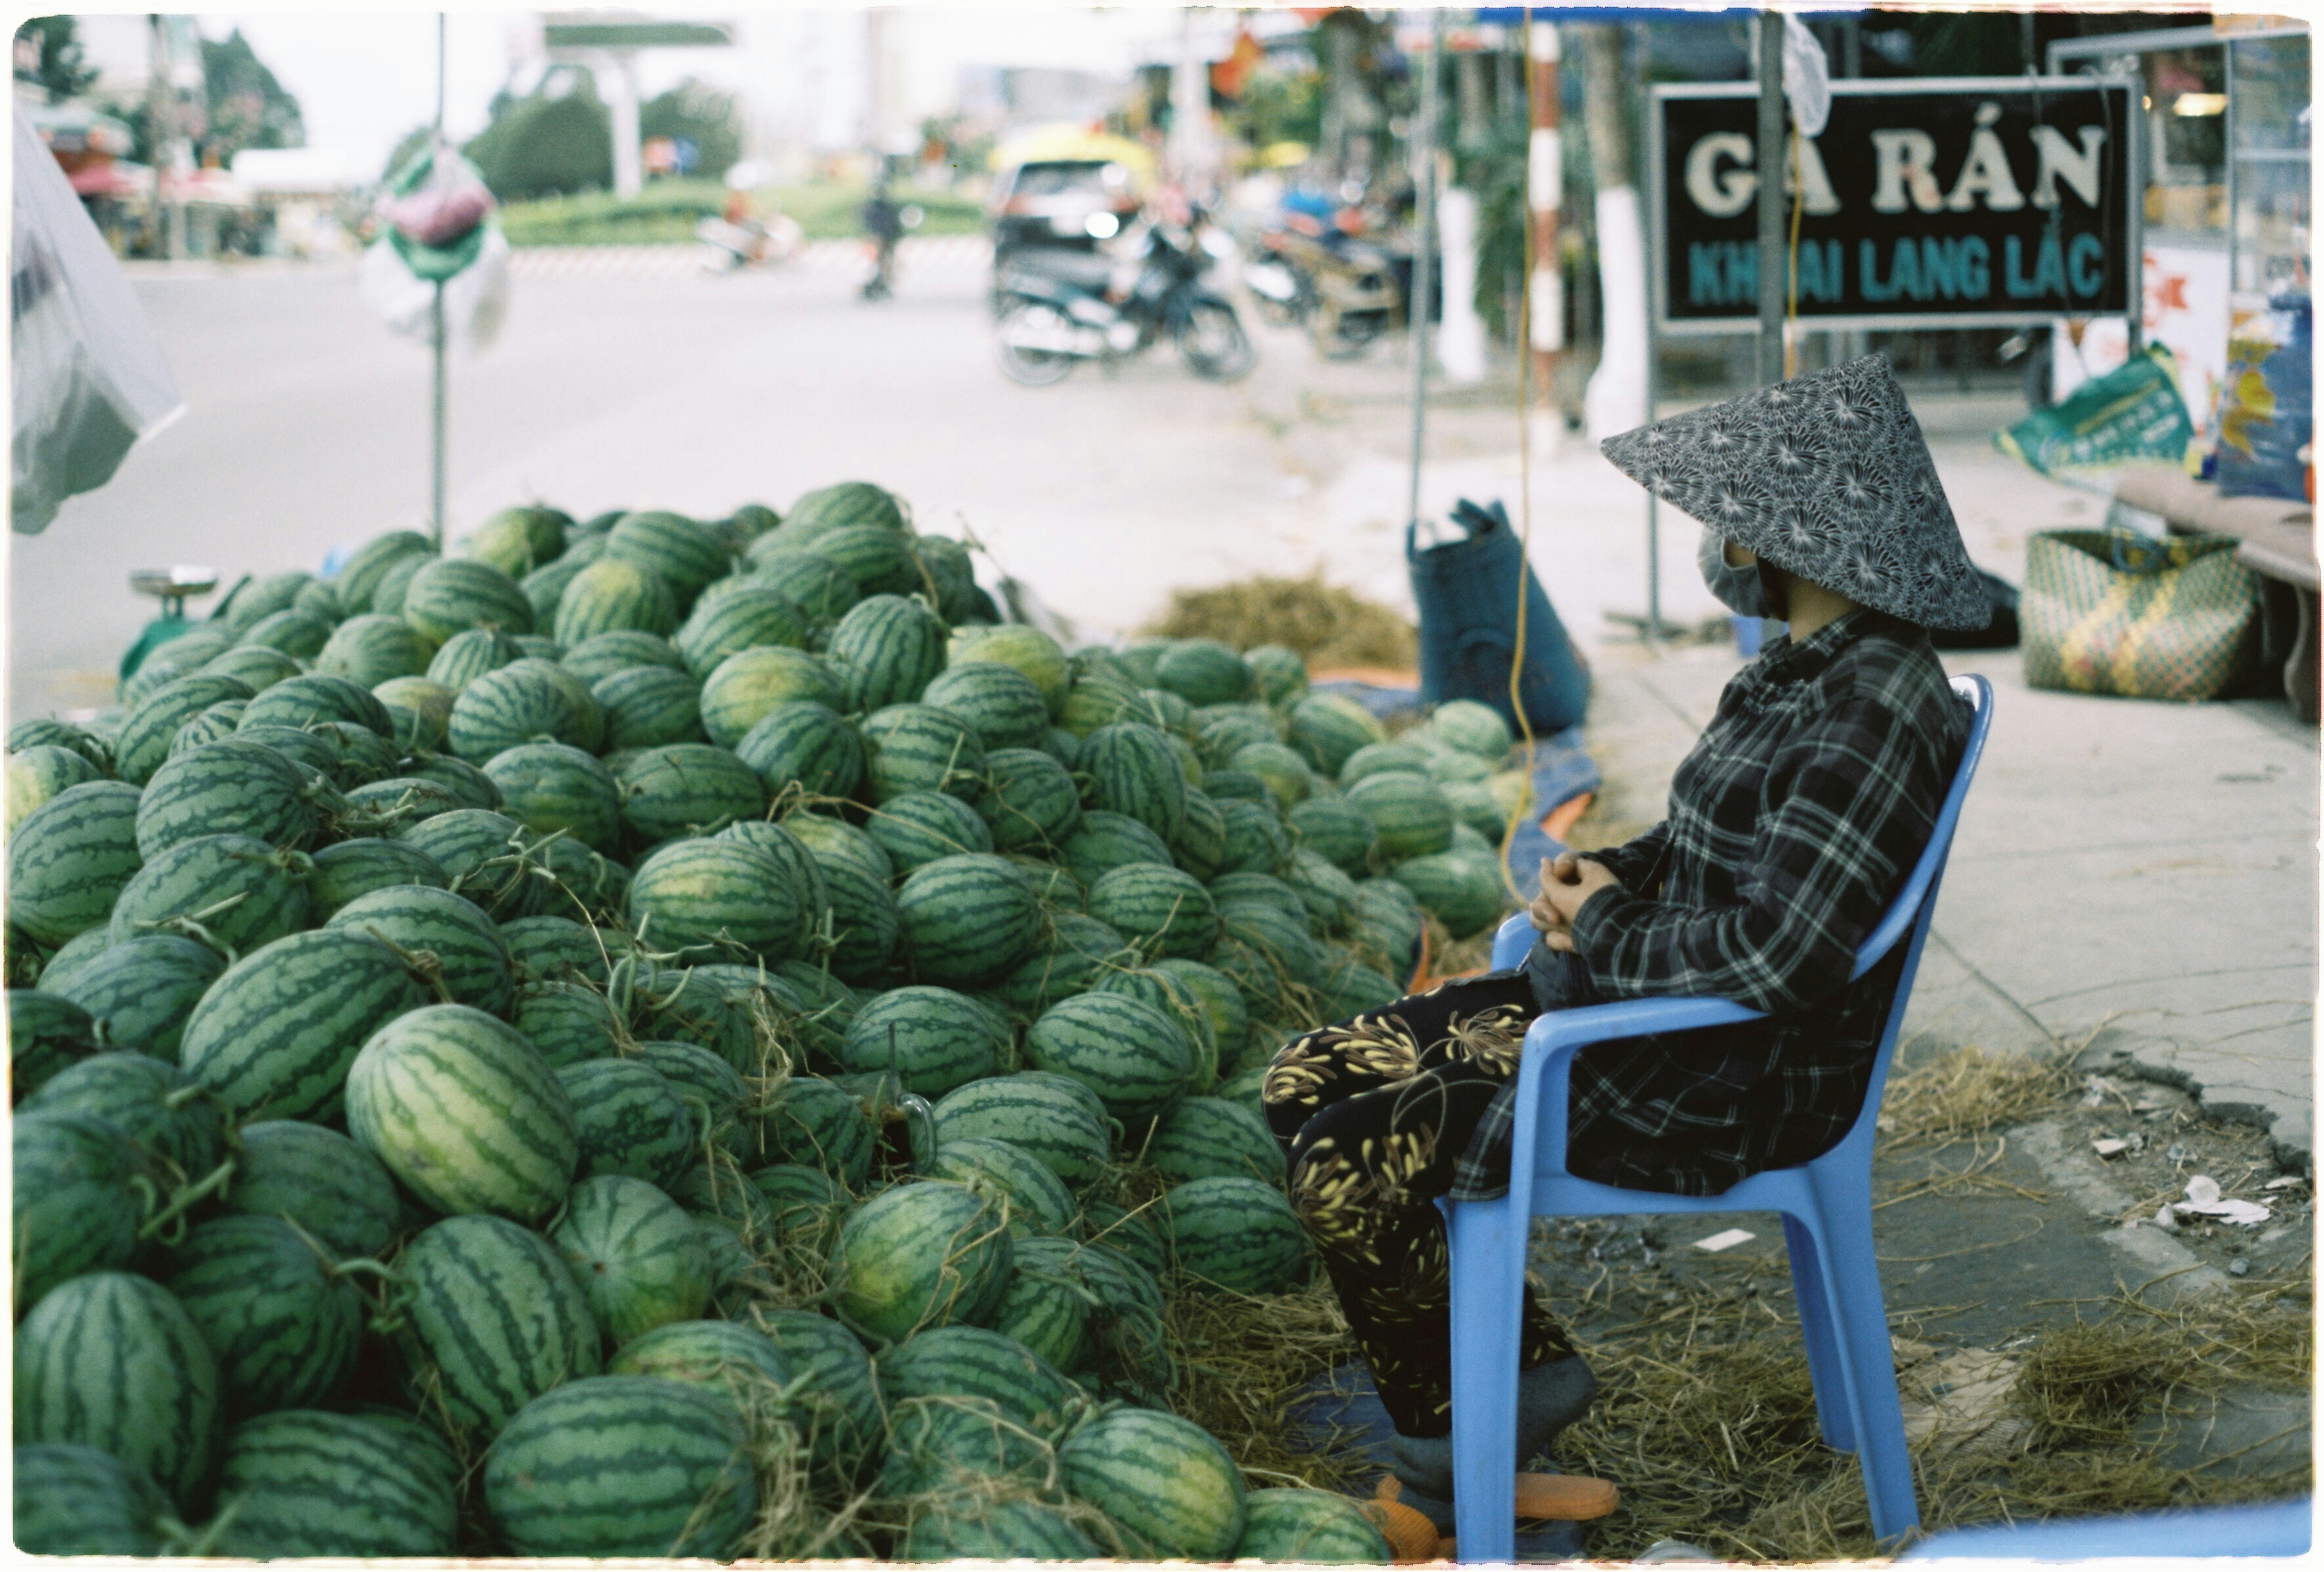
<point>1544,192</point>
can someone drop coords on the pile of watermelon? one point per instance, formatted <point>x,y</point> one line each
<point>653,1037</point>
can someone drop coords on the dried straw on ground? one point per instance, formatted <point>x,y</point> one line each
<point>1328,626</point>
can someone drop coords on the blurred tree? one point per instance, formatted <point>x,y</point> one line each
<point>1279,106</point>
<point>704,116</point>
<point>556,140</point>
<point>48,52</point>
<point>247,106</point>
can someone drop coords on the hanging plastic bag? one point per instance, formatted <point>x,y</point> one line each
<point>89,379</point>
<point>438,230</point>
<point>2132,414</point>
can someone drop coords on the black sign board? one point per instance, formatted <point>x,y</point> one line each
<point>1932,203</point>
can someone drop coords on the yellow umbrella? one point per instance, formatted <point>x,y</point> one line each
<point>1046,143</point>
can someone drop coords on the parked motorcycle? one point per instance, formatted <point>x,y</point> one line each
<point>1057,312</point>
<point>1346,291</point>
<point>728,247</point>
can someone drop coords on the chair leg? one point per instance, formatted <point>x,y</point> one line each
<point>1488,1252</point>
<point>1853,1277</point>
<point>1835,1406</point>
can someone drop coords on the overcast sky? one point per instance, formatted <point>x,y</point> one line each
<point>364,78</point>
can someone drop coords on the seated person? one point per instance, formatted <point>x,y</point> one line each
<point>1800,811</point>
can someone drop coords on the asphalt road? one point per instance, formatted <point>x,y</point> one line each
<point>307,428</point>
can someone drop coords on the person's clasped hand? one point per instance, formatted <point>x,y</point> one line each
<point>1567,883</point>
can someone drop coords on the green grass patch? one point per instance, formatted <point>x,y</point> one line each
<point>666,212</point>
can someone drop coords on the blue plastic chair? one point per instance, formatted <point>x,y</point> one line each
<point>1826,1206</point>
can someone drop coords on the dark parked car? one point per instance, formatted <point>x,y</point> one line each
<point>1063,203</point>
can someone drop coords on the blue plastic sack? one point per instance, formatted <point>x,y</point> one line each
<point>2267,406</point>
<point>1467,593</point>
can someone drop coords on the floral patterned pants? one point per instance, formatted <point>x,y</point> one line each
<point>1375,1113</point>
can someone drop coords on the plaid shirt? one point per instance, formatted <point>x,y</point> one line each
<point>1803,806</point>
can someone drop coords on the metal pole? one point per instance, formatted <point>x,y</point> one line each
<point>436,315</point>
<point>1649,109</point>
<point>1544,195</point>
<point>1771,197</point>
<point>1424,193</point>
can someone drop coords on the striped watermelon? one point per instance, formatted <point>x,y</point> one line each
<point>1448,766</point>
<point>839,1409</point>
<point>998,1529</point>
<point>419,711</point>
<point>1388,920</point>
<point>1133,771</point>
<point>800,870</point>
<point>1383,759</point>
<point>624,1466</point>
<point>1135,1059</point>
<point>180,656</point>
<point>1141,658</point>
<point>495,1318</point>
<point>254,664</point>
<point>551,786</point>
<point>388,594</point>
<point>848,502</point>
<point>516,540</point>
<point>581,882</point>
<point>886,650</point>
<point>318,1179</point>
<point>1000,703</point>
<point>1278,945</point>
<point>370,562</point>
<point>1326,727</point>
<point>1477,809</point>
<point>45,733</point>
<point>1247,1086</point>
<point>1029,802</point>
<point>1064,747</point>
<point>1206,1138</point>
<point>1312,1526</point>
<point>1098,695</point>
<point>363,754</point>
<point>356,867</point>
<point>864,925</point>
<point>716,893</point>
<point>1256,840</point>
<point>453,594</point>
<point>817,1124</point>
<point>601,654</point>
<point>555,949</point>
<point>1132,1234</point>
<point>151,1102</point>
<point>72,1500</point>
<point>635,1253</point>
<point>250,602</point>
<point>711,1089</point>
<point>612,595</point>
<point>296,633</point>
<point>1242,888</point>
<point>369,650</point>
<point>1083,949</point>
<point>471,961</point>
<point>832,839</point>
<point>314,699</point>
<point>232,786</point>
<point>925,1253</point>
<point>146,733</point>
<point>1409,812</point>
<point>319,598</point>
<point>566,1021</point>
<point>751,684</point>
<point>112,1361</point>
<point>1105,841</point>
<point>1214,994</point>
<point>1329,894</point>
<point>1477,730</point>
<point>713,1192</point>
<point>1235,1233</point>
<point>1035,1113</point>
<point>45,1035</point>
<point>240,891</point>
<point>933,1038</point>
<point>738,616</point>
<point>724,1356</point>
<point>1458,891</point>
<point>1037,1201</point>
<point>918,827</point>
<point>1031,651</point>
<point>1200,847</point>
<point>482,854</point>
<point>306,1482</point>
<point>913,748</point>
<point>967,920</point>
<point>878,561</point>
<point>647,707</point>
<point>1170,1488</point>
<point>284,1324</point>
<point>975,1363</point>
<point>465,1112</point>
<point>1179,1003</point>
<point>275,1034</point>
<point>685,555</point>
<point>817,586</point>
<point>1336,830</point>
<point>687,788</point>
<point>1223,731</point>
<point>1203,671</point>
<point>1347,988</point>
<point>945,1450</point>
<point>631,1121</point>
<point>828,1007</point>
<point>804,750</point>
<point>1044,1308</point>
<point>54,967</point>
<point>216,721</point>
<point>525,701</point>
<point>1283,770</point>
<point>140,991</point>
<point>1161,910</point>
<point>82,1189</point>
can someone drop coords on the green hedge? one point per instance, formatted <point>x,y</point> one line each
<point>666,212</point>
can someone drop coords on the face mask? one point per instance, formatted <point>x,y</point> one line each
<point>1738,588</point>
